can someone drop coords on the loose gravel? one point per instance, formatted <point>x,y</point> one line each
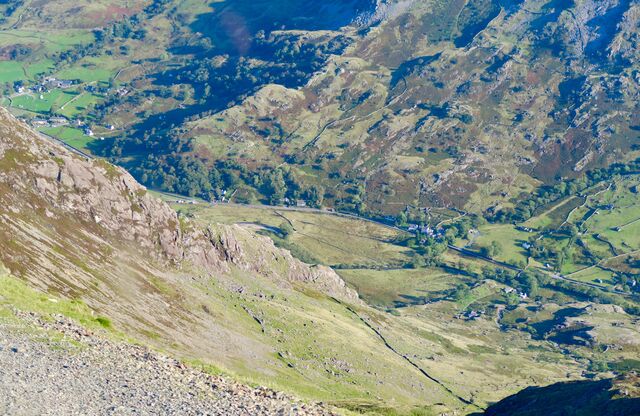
<point>82,373</point>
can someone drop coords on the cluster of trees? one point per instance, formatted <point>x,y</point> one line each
<point>173,164</point>
<point>627,282</point>
<point>156,7</point>
<point>280,184</point>
<point>221,76</point>
<point>430,247</point>
<point>430,254</point>
<point>215,79</point>
<point>547,251</point>
<point>128,28</point>
<point>526,207</point>
<point>492,250</point>
<point>19,51</point>
<point>528,282</point>
<point>459,292</point>
<point>187,174</point>
<point>353,199</point>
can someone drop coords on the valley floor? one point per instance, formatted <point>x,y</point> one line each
<point>54,368</point>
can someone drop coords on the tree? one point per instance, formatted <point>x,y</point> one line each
<point>450,235</point>
<point>418,262</point>
<point>275,187</point>
<point>493,250</point>
<point>530,283</point>
<point>315,196</point>
<point>286,229</point>
<point>512,299</point>
<point>401,220</point>
<point>496,249</point>
<point>460,292</point>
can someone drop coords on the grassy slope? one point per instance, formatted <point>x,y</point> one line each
<point>317,235</point>
<point>420,324</point>
<point>310,345</point>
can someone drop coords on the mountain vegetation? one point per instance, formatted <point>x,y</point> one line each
<point>383,207</point>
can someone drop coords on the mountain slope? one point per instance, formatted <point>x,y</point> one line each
<point>225,298</point>
<point>370,106</point>
<point>85,230</point>
<point>603,398</point>
<point>454,104</point>
<point>62,193</point>
<point>381,108</point>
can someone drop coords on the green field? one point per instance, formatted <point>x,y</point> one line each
<point>606,222</point>
<point>329,239</point>
<point>71,136</point>
<point>400,287</point>
<point>64,102</point>
<point>79,105</point>
<point>91,69</point>
<point>593,275</point>
<point>509,239</point>
<point>50,101</point>
<point>50,41</point>
<point>11,71</point>
<point>90,73</point>
<point>38,68</point>
<point>613,216</point>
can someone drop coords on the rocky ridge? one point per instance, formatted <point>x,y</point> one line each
<point>44,183</point>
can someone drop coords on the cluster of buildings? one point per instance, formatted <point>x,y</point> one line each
<point>59,121</point>
<point>472,315</point>
<point>54,121</point>
<point>299,203</point>
<point>425,230</point>
<point>45,85</point>
<point>521,295</point>
<point>48,84</point>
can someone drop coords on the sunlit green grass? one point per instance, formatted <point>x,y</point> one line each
<point>72,136</point>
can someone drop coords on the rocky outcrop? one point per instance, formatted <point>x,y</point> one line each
<point>96,198</point>
<point>258,254</point>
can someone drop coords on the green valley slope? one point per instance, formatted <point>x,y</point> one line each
<point>224,298</point>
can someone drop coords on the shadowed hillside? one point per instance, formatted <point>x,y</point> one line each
<point>610,397</point>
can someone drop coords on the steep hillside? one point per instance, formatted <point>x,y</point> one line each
<point>366,106</point>
<point>603,398</point>
<point>50,194</point>
<point>221,297</point>
<point>53,366</point>
<point>86,230</point>
<point>419,207</point>
<point>454,104</point>
<point>227,300</point>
